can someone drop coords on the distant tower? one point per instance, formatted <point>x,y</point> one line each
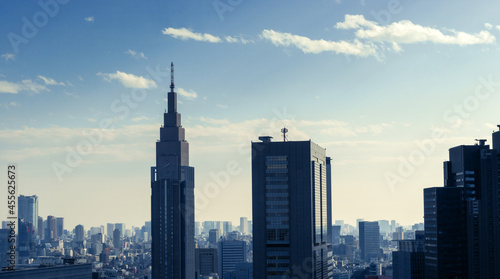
<point>172,199</point>
<point>369,240</point>
<point>28,210</point>
<point>244,225</point>
<point>79,233</point>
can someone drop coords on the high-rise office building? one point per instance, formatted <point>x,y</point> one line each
<point>336,234</point>
<point>462,219</point>
<point>121,228</point>
<point>51,230</point>
<point>25,237</point>
<point>79,233</point>
<point>40,227</point>
<point>208,225</point>
<point>244,225</point>
<point>213,236</point>
<point>172,199</point>
<point>408,261</point>
<point>228,227</point>
<point>28,211</point>
<point>290,209</point>
<point>110,227</point>
<point>369,240</point>
<point>59,227</point>
<point>206,261</point>
<point>117,242</point>
<point>231,252</point>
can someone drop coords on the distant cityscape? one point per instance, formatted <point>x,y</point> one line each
<point>291,233</point>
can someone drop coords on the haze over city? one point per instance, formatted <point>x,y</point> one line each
<point>386,87</point>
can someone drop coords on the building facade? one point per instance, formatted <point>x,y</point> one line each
<point>28,211</point>
<point>369,240</point>
<point>290,210</point>
<point>462,219</point>
<point>231,253</point>
<point>172,200</point>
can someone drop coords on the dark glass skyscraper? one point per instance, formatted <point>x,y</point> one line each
<point>172,200</point>
<point>290,210</point>
<point>462,219</point>
<point>369,240</point>
<point>28,211</point>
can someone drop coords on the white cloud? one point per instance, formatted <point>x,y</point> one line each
<point>93,120</point>
<point>129,80</point>
<point>8,56</point>
<point>185,34</point>
<point>214,121</point>
<point>488,26</point>
<point>50,81</point>
<point>222,106</point>
<point>308,45</point>
<point>140,118</point>
<point>497,27</point>
<point>136,54</point>
<point>25,85</point>
<point>89,19</point>
<point>190,95</point>
<point>238,39</point>
<point>406,32</point>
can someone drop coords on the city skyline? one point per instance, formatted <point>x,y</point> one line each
<point>373,100</point>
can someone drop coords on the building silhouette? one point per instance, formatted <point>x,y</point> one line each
<point>244,225</point>
<point>59,227</point>
<point>110,227</point>
<point>79,233</point>
<point>462,219</point>
<point>369,240</point>
<point>290,210</point>
<point>213,236</point>
<point>206,261</point>
<point>172,199</point>
<point>117,243</point>
<point>408,261</point>
<point>231,252</point>
<point>51,229</point>
<point>28,211</point>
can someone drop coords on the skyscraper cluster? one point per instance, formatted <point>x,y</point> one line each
<point>462,219</point>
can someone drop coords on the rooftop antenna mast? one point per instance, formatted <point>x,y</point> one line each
<point>284,131</point>
<point>172,86</point>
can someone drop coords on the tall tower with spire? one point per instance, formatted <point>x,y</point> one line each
<point>172,199</point>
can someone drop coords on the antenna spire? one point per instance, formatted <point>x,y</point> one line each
<point>172,86</point>
<point>284,131</point>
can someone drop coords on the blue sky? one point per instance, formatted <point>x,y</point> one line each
<point>371,81</point>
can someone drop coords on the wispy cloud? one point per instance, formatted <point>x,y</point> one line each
<point>406,32</point>
<point>190,95</point>
<point>140,118</point>
<point>222,106</point>
<point>89,19</point>
<point>129,80</point>
<point>186,34</point>
<point>25,85</point>
<point>8,56</point>
<point>50,81</point>
<point>308,45</point>
<point>238,39</point>
<point>136,54</point>
<point>9,105</point>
